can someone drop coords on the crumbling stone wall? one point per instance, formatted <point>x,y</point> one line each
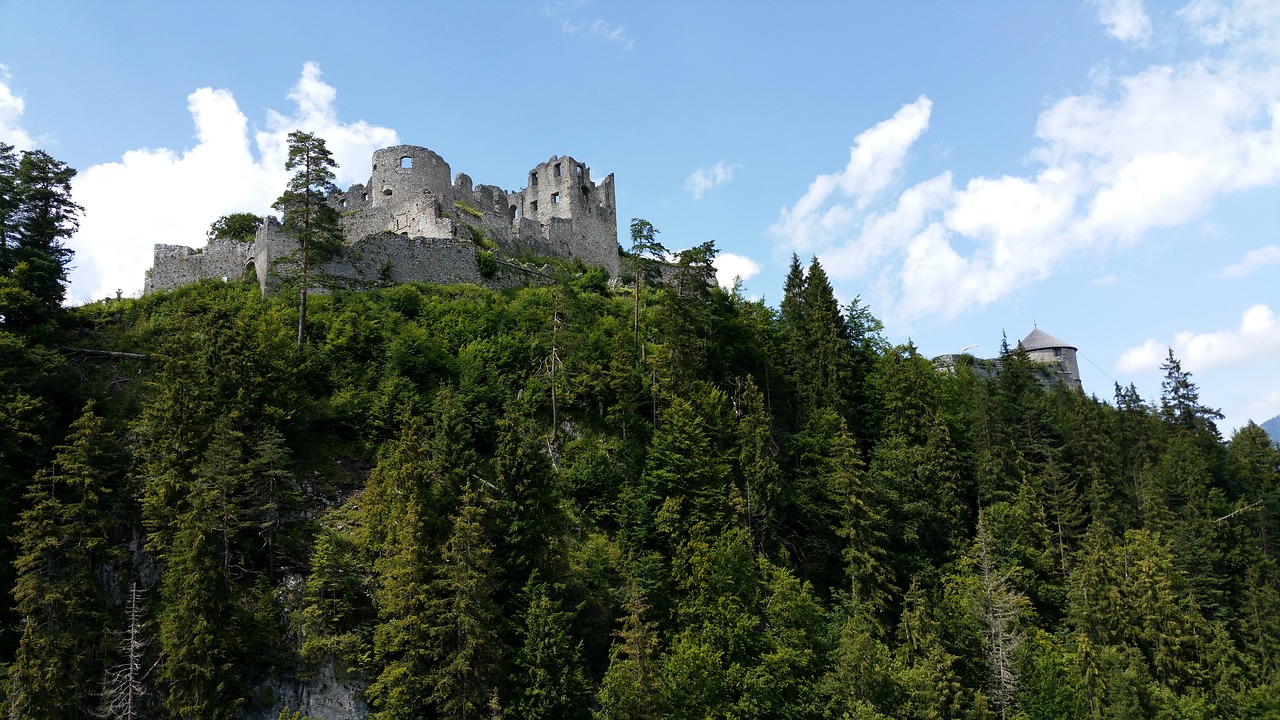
<point>440,224</point>
<point>177,265</point>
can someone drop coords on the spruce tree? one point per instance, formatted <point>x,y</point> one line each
<point>549,683</point>
<point>630,687</point>
<point>463,639</point>
<point>37,216</point>
<point>64,545</point>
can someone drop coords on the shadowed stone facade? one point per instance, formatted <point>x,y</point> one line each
<point>415,221</point>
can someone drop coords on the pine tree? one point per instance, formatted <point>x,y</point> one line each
<point>307,217</point>
<point>64,542</point>
<point>647,254</point>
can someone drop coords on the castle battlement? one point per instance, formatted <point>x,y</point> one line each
<point>412,193</point>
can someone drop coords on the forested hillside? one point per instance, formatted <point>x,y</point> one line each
<point>652,500</point>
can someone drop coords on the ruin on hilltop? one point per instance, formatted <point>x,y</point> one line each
<point>414,221</point>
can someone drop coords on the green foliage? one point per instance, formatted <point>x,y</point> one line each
<point>37,216</point>
<point>473,212</point>
<point>240,227</point>
<point>64,542</point>
<point>307,217</point>
<point>487,263</point>
<point>727,510</point>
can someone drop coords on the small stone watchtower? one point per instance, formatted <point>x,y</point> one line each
<point>1059,357</point>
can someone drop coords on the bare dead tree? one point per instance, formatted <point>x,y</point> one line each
<point>999,607</point>
<point>123,688</point>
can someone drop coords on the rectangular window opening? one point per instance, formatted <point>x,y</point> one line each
<point>555,198</point>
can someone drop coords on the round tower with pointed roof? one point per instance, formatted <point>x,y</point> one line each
<point>1049,350</point>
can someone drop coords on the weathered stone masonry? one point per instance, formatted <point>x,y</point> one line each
<point>412,222</point>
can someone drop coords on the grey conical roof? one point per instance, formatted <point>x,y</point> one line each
<point>1040,340</point>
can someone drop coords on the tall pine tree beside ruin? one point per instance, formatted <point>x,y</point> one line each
<point>307,217</point>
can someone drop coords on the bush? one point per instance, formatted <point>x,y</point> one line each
<point>487,262</point>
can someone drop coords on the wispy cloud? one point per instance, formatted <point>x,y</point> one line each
<point>707,178</point>
<point>1252,261</point>
<point>11,109</point>
<point>1256,338</point>
<point>574,20</point>
<point>875,159</point>
<point>177,193</point>
<point>1125,20</point>
<point>1148,150</point>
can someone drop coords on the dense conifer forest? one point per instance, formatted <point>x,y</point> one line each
<point>593,499</point>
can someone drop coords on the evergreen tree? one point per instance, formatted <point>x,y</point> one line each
<point>630,689</point>
<point>37,215</point>
<point>64,543</point>
<point>550,683</point>
<point>648,255</point>
<point>1180,400</point>
<point>782,683</point>
<point>201,659</point>
<point>308,218</point>
<point>462,636</point>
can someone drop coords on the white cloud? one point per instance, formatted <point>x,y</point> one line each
<point>164,196</point>
<point>1247,27</point>
<point>729,266</point>
<point>707,178</point>
<point>1125,20</point>
<point>11,109</point>
<point>1152,149</point>
<point>1252,261</point>
<point>1257,338</point>
<point>875,159</point>
<point>1264,408</point>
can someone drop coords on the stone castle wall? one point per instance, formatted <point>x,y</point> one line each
<point>414,221</point>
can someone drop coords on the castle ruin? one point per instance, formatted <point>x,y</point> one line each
<point>415,221</point>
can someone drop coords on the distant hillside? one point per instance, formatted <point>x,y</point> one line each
<point>1272,427</point>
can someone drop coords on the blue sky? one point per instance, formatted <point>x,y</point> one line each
<point>1105,169</point>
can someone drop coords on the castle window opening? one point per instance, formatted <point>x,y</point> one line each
<point>585,191</point>
<point>579,170</point>
<point>343,203</point>
<point>557,169</point>
<point>515,212</point>
<point>387,192</point>
<point>364,196</point>
<point>375,167</point>
<point>555,198</point>
<point>534,206</point>
<point>1057,352</point>
<point>406,162</point>
<point>533,178</point>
